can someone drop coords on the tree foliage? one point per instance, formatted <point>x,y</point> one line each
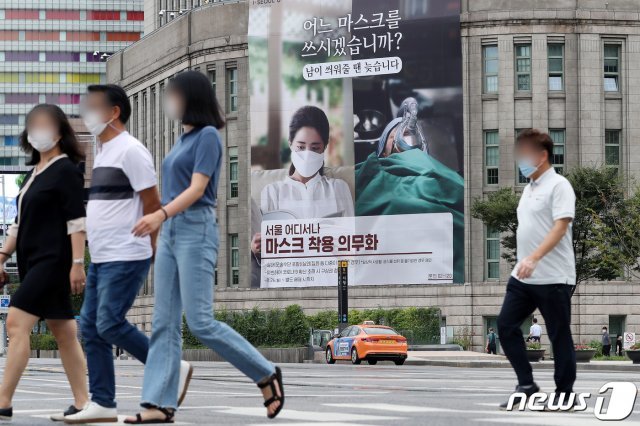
<point>606,228</point>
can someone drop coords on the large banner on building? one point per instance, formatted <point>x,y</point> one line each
<point>356,142</point>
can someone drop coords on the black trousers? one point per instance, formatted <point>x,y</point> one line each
<point>493,349</point>
<point>606,350</point>
<point>554,302</point>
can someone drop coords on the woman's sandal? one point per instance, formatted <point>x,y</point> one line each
<point>277,377</point>
<point>168,418</point>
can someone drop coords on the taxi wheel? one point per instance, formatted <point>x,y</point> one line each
<point>372,361</point>
<point>329,356</point>
<point>399,361</point>
<point>354,357</point>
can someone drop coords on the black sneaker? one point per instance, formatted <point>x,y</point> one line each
<point>59,417</point>
<point>529,390</point>
<point>6,413</point>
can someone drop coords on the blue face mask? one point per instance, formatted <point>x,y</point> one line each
<point>527,168</point>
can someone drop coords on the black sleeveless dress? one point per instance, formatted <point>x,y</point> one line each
<point>54,197</point>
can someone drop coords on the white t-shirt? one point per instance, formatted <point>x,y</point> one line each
<point>544,201</point>
<point>320,197</point>
<point>535,330</point>
<point>122,168</point>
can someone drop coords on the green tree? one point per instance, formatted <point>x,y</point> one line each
<point>606,227</point>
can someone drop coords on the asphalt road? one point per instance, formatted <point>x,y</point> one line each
<point>324,395</point>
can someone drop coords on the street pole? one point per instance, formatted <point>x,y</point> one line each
<point>343,294</point>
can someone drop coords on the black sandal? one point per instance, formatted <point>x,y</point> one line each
<point>277,377</point>
<point>168,418</point>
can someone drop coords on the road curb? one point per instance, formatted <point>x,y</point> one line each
<point>536,366</point>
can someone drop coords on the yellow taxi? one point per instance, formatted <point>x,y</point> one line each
<point>367,341</point>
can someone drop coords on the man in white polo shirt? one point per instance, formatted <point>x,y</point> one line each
<point>545,273</point>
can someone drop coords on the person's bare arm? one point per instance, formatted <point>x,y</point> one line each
<point>529,263</point>
<point>7,250</point>
<point>151,222</point>
<point>77,276</point>
<point>150,204</point>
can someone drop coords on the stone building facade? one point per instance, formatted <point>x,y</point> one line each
<point>570,67</point>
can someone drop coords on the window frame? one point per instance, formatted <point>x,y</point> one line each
<point>232,88</point>
<point>487,147</point>
<point>555,74</point>
<point>491,236</point>
<point>518,73</point>
<point>524,181</point>
<point>234,255</point>
<point>618,145</point>
<point>486,75</point>
<point>611,74</point>
<point>233,164</point>
<point>559,167</point>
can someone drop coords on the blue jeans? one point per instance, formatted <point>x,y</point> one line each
<point>111,290</point>
<point>184,275</point>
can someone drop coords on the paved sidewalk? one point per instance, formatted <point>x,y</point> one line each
<point>468,359</point>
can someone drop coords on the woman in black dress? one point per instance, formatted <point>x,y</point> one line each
<point>49,237</point>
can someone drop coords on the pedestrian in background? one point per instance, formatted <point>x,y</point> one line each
<point>535,331</point>
<point>49,238</point>
<point>545,272</point>
<point>606,342</point>
<point>491,342</point>
<point>123,188</point>
<point>619,345</point>
<point>186,258</point>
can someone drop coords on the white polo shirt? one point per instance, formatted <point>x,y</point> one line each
<point>543,201</point>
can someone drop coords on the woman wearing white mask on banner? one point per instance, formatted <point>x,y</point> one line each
<point>306,192</point>
<point>49,238</point>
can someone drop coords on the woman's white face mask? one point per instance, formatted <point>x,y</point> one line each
<point>307,163</point>
<point>42,140</point>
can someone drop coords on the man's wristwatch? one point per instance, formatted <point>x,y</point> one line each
<point>79,261</point>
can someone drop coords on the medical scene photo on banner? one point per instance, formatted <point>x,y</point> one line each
<point>356,142</point>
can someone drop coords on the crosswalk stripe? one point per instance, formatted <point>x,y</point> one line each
<point>386,407</point>
<point>317,416</point>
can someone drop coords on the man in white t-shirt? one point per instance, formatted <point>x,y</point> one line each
<point>535,331</point>
<point>545,273</point>
<point>123,189</point>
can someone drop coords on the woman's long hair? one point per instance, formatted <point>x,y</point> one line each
<point>68,141</point>
<point>201,108</point>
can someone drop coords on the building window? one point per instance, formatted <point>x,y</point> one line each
<point>611,68</point>
<point>493,254</point>
<point>143,121</point>
<point>232,89</point>
<point>612,149</point>
<point>491,156</point>
<point>521,179</point>
<point>490,68</point>
<point>234,259</point>
<point>212,78</point>
<point>523,67</point>
<point>555,65</point>
<point>558,137</point>
<point>233,172</point>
